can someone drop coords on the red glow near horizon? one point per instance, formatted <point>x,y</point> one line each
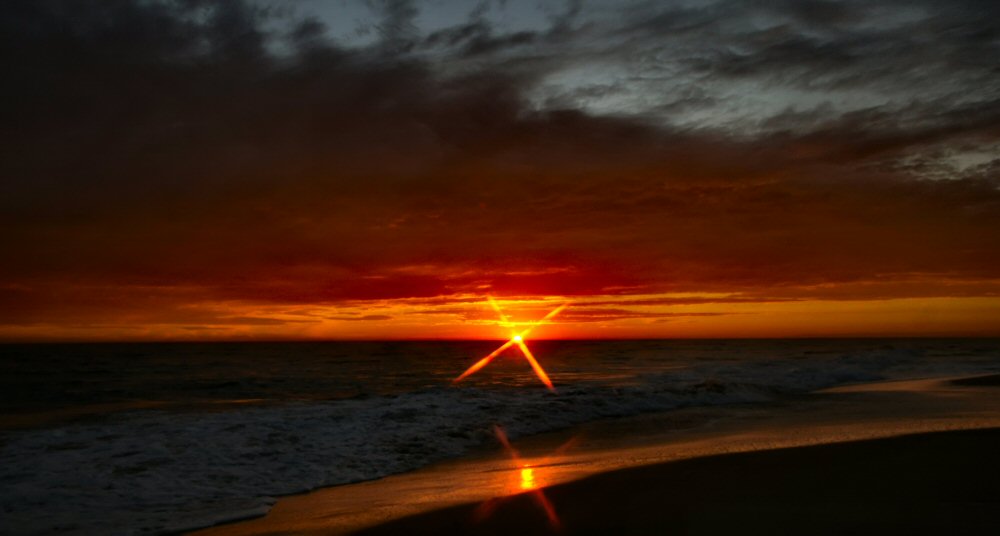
<point>516,339</point>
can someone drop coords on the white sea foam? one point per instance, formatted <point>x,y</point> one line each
<point>155,472</point>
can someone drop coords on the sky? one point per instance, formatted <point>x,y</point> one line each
<point>374,169</point>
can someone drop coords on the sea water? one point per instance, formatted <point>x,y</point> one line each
<point>152,438</point>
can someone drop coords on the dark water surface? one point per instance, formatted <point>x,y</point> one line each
<point>90,379</point>
<point>147,438</point>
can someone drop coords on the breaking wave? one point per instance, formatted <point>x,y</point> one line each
<point>154,472</point>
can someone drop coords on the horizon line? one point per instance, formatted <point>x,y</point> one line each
<point>486,340</point>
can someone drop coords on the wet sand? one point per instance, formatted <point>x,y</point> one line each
<point>703,470</point>
<point>938,483</point>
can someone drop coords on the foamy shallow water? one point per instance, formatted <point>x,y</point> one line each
<point>156,471</point>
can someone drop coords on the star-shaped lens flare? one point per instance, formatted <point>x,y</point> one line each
<point>516,339</point>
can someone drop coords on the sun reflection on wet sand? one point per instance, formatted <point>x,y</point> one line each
<point>527,478</point>
<point>528,481</point>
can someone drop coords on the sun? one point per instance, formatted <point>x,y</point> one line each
<point>517,339</point>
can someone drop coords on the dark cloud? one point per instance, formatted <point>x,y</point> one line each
<point>477,38</point>
<point>191,148</point>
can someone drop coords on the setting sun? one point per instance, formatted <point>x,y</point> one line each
<point>517,339</point>
<point>252,248</point>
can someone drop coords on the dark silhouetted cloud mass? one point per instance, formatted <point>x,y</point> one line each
<point>200,163</point>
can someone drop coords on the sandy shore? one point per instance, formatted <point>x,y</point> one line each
<point>704,470</point>
<point>938,483</point>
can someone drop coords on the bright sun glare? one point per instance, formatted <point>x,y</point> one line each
<point>517,339</point>
<point>527,478</point>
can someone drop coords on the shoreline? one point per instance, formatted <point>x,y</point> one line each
<point>838,415</point>
<point>928,483</point>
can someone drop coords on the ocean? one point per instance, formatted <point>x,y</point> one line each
<point>156,438</point>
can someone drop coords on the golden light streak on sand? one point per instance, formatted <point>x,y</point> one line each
<point>528,478</point>
<point>528,483</point>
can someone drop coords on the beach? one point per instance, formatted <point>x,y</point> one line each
<point>936,483</point>
<point>328,267</point>
<point>894,457</point>
<point>333,438</point>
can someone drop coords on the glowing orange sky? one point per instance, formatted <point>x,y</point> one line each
<point>595,317</point>
<point>176,183</point>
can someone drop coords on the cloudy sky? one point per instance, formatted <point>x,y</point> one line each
<point>374,169</point>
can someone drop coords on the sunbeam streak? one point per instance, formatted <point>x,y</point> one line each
<point>517,339</point>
